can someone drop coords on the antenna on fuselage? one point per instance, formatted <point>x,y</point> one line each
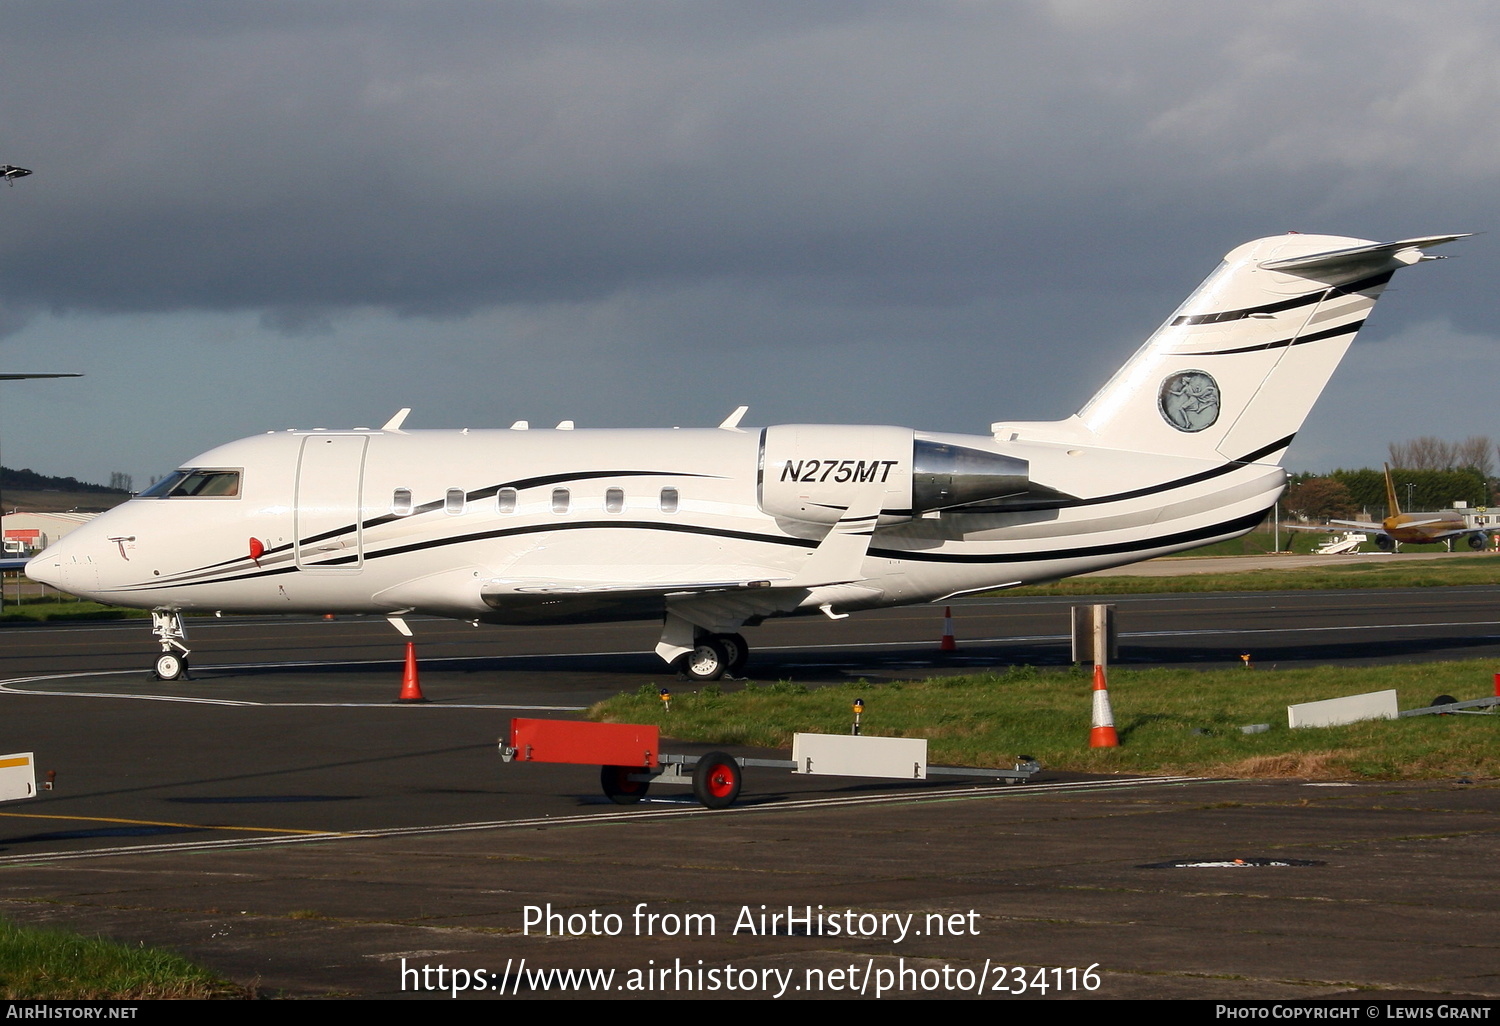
<point>394,424</point>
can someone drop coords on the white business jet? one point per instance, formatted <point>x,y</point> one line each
<point>710,531</point>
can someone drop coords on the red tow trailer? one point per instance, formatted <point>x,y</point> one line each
<point>630,759</point>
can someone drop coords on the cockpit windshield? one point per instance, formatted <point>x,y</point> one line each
<point>193,483</point>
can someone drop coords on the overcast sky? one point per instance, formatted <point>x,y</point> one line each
<point>258,215</point>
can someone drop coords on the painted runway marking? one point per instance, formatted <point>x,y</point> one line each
<point>156,823</point>
<point>11,686</point>
<point>7,687</point>
<point>977,792</point>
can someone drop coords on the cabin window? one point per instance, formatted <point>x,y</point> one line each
<point>454,503</point>
<point>560,499</point>
<point>196,484</point>
<point>505,500</point>
<point>614,500</point>
<point>401,502</point>
<point>669,500</point>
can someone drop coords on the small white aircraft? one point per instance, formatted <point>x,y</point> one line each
<point>710,531</point>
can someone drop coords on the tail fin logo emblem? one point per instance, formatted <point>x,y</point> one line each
<point>1189,400</point>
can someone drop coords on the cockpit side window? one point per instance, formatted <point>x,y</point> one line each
<point>194,483</point>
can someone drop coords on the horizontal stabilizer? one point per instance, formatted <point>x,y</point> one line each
<point>1334,259</point>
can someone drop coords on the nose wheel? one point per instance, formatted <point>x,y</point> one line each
<point>171,666</point>
<point>170,632</point>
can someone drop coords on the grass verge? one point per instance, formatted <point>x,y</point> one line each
<point>1170,721</point>
<point>39,963</point>
<point>32,610</point>
<point>1198,576</point>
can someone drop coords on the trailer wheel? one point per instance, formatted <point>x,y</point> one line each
<point>618,786</point>
<point>716,780</point>
<point>1442,700</point>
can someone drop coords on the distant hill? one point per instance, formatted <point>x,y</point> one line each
<point>31,481</point>
<point>26,489</point>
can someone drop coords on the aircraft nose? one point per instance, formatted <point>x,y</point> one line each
<point>65,569</point>
<point>44,569</point>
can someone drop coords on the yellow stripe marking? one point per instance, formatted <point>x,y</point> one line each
<point>7,763</point>
<point>152,822</point>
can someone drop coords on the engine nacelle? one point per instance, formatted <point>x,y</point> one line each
<point>813,472</point>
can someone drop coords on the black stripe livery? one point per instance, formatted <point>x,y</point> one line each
<point>771,539</point>
<point>1285,304</point>
<point>1317,336</point>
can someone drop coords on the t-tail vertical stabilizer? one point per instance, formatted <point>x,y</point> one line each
<point>1234,371</point>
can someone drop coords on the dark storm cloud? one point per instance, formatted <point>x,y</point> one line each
<point>305,158</point>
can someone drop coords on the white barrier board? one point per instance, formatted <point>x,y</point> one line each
<point>848,755</point>
<point>1377,705</point>
<point>17,777</point>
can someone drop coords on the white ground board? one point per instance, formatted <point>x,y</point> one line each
<point>847,755</point>
<point>17,777</point>
<point>1377,705</point>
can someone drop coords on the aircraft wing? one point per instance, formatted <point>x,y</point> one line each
<point>837,559</point>
<point>1361,525</point>
<point>593,586</point>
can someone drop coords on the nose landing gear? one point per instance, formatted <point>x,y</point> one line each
<point>168,627</point>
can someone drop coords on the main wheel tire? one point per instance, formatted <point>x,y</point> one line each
<point>707,661</point>
<point>619,788</point>
<point>716,780</point>
<point>170,666</point>
<point>739,652</point>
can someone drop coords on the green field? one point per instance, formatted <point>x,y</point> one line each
<point>32,610</point>
<point>54,964</point>
<point>1170,721</point>
<point>1198,575</point>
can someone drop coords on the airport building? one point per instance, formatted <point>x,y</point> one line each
<point>28,533</point>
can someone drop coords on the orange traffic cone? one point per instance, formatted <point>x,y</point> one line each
<point>1103,733</point>
<point>948,645</point>
<point>411,687</point>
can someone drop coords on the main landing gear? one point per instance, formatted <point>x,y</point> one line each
<point>172,664</point>
<point>713,656</point>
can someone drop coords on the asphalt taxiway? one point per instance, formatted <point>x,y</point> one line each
<point>280,819</point>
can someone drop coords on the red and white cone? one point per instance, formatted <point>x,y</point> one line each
<point>411,686</point>
<point>1103,733</point>
<point>948,644</point>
